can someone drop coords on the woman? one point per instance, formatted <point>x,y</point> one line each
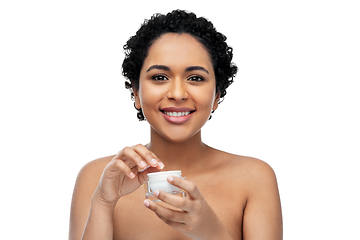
<point>178,67</point>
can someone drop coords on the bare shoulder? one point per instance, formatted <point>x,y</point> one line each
<point>89,176</point>
<point>85,186</point>
<point>254,169</point>
<point>257,175</point>
<point>262,213</point>
<point>249,167</point>
<point>93,169</point>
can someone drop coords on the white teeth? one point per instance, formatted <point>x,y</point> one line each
<point>177,114</point>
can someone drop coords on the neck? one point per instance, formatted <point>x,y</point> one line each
<point>178,156</point>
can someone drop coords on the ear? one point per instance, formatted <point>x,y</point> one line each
<point>137,99</point>
<point>216,101</point>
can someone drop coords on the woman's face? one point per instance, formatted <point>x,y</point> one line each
<point>177,89</point>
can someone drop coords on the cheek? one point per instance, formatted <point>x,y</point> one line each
<point>149,95</point>
<point>205,98</point>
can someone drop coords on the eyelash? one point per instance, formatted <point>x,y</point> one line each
<point>194,78</point>
<point>156,77</point>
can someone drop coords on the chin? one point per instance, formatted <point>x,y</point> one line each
<point>177,137</point>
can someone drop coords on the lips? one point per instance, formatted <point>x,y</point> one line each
<point>177,115</point>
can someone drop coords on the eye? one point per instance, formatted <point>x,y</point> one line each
<point>196,78</point>
<point>159,77</point>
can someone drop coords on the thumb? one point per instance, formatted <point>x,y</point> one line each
<point>143,174</point>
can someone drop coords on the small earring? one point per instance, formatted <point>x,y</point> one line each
<point>136,107</point>
<point>211,114</point>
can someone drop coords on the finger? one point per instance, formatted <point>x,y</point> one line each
<point>142,175</point>
<point>176,201</point>
<point>131,158</point>
<point>189,187</point>
<point>149,157</point>
<point>161,164</point>
<point>166,214</point>
<point>118,165</point>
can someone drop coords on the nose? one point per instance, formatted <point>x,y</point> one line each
<point>177,90</point>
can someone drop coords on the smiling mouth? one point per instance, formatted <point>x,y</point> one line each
<point>177,114</point>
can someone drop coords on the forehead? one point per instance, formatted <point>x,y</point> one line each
<point>178,50</point>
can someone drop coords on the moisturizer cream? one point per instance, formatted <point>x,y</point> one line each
<point>158,181</point>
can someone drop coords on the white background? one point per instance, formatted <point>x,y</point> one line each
<point>294,104</point>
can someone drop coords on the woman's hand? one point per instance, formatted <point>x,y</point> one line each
<point>125,173</point>
<point>195,218</point>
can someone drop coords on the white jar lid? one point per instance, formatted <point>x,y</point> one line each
<point>163,175</point>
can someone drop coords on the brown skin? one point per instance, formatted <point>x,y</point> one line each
<point>229,196</point>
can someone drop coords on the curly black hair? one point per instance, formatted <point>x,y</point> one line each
<point>178,21</point>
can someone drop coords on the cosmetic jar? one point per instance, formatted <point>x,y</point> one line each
<point>158,181</point>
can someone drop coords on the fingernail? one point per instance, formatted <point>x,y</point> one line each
<point>142,164</point>
<point>156,193</point>
<point>170,179</point>
<point>132,175</point>
<point>153,161</point>
<point>161,165</point>
<point>146,203</point>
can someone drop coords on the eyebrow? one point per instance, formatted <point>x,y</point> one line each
<point>188,69</point>
<point>160,67</point>
<point>195,68</point>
